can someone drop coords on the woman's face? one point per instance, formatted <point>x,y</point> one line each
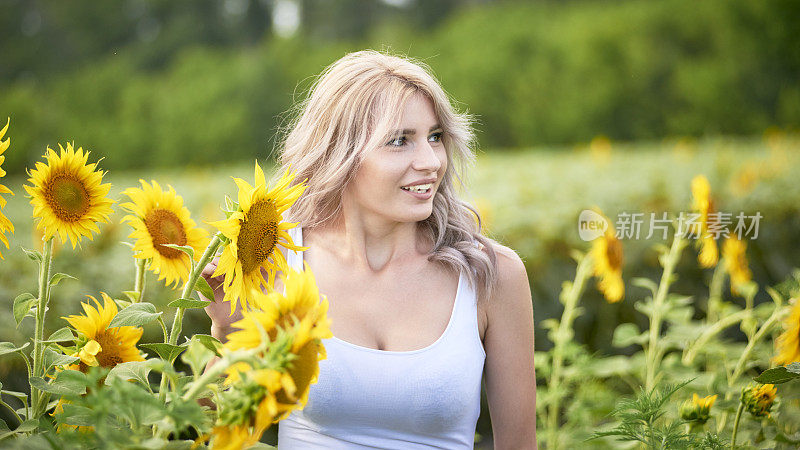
<point>397,182</point>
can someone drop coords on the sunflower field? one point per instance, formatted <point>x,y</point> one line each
<point>666,341</point>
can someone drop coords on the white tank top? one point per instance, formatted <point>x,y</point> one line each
<point>369,398</point>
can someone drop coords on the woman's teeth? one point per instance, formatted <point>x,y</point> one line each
<point>420,188</point>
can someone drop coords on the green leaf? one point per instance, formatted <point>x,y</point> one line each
<point>132,370</point>
<point>9,347</point>
<point>184,248</point>
<point>794,367</point>
<point>27,426</point>
<point>76,415</point>
<point>67,382</point>
<point>196,356</point>
<point>778,375</point>
<point>645,283</point>
<point>210,342</point>
<point>22,306</point>
<point>55,279</point>
<point>166,351</point>
<point>628,334</point>
<point>230,205</point>
<point>53,358</point>
<point>122,304</point>
<point>136,315</point>
<point>204,288</point>
<point>60,335</point>
<point>23,397</point>
<point>188,303</point>
<point>34,255</point>
<point>132,295</point>
<point>127,244</point>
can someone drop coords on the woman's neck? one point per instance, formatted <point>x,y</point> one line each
<point>371,244</point>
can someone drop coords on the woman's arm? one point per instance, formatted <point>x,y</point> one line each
<point>508,340</point>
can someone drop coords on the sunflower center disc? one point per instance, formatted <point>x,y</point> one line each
<point>165,228</point>
<point>258,235</point>
<point>68,197</point>
<point>108,356</point>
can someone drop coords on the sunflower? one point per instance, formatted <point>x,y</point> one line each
<point>5,224</point>
<point>300,312</point>
<point>159,217</point>
<point>255,231</point>
<point>246,410</point>
<point>67,196</point>
<point>98,344</point>
<point>606,256</point>
<point>759,399</point>
<point>698,409</point>
<point>788,343</point>
<point>704,204</point>
<point>734,255</point>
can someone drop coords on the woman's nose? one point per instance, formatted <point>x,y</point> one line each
<point>426,158</point>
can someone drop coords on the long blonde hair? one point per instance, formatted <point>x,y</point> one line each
<point>352,108</point>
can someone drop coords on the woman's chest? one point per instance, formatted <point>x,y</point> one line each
<point>399,311</point>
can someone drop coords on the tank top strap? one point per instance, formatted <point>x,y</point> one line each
<point>294,259</point>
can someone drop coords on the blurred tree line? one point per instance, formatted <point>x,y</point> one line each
<point>157,82</point>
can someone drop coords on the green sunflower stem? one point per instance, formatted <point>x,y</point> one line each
<point>562,336</point>
<point>140,279</point>
<point>715,293</point>
<point>38,347</point>
<point>670,260</point>
<point>177,323</point>
<point>742,362</point>
<point>736,424</point>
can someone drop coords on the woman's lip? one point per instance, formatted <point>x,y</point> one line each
<point>420,195</point>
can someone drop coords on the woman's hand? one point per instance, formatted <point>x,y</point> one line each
<point>219,311</point>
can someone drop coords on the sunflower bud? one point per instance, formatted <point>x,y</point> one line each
<point>698,409</point>
<point>758,400</point>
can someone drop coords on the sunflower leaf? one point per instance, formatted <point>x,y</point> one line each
<point>166,351</point>
<point>53,358</point>
<point>131,370</point>
<point>230,205</point>
<point>197,356</point>
<point>184,248</point>
<point>67,382</point>
<point>188,303</point>
<point>204,288</point>
<point>55,279</point>
<point>136,315</point>
<point>77,415</point>
<point>9,347</point>
<point>209,341</point>
<point>132,295</point>
<point>779,375</point>
<point>34,255</point>
<point>60,335</point>
<point>22,306</point>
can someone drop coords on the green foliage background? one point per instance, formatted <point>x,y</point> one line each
<point>210,84</point>
<point>190,93</point>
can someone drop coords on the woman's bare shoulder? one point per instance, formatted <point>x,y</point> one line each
<point>512,276</point>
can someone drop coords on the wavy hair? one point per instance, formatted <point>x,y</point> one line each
<point>352,108</point>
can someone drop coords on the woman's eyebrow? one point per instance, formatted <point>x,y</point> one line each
<point>413,132</point>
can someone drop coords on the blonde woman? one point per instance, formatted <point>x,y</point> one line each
<point>422,305</point>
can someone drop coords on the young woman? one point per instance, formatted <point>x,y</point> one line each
<point>422,305</point>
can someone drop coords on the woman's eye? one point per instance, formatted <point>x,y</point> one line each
<point>435,137</point>
<point>397,142</point>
